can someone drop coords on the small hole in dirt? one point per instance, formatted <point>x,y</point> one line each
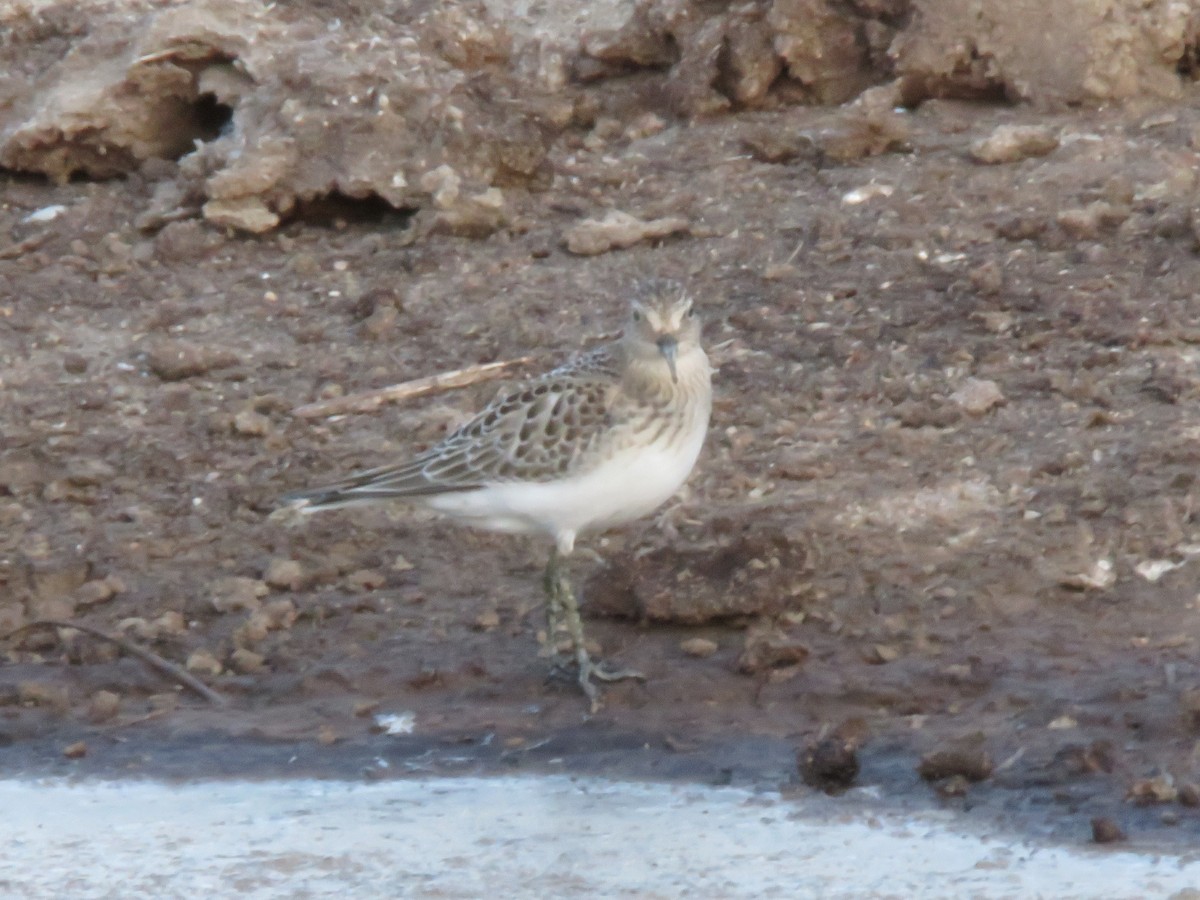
<point>337,208</point>
<point>210,117</point>
<point>1189,63</point>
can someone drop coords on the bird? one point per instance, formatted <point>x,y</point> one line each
<point>599,441</point>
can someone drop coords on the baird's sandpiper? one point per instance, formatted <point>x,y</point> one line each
<point>598,442</point>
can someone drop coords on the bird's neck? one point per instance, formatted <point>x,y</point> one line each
<point>649,376</point>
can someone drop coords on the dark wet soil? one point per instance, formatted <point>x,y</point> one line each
<point>949,489</point>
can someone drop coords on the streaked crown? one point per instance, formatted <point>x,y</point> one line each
<point>663,309</point>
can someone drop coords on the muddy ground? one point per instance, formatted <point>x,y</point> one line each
<point>949,492</point>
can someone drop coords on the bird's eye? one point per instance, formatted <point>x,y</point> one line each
<point>691,313</point>
<point>637,316</point>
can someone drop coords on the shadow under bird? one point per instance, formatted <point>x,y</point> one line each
<point>597,442</point>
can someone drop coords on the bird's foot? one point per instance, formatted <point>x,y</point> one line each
<point>586,674</point>
<point>562,615</point>
<point>589,670</point>
<point>601,672</point>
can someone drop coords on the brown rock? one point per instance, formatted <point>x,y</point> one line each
<point>769,647</point>
<point>1149,791</point>
<point>280,614</point>
<point>103,706</point>
<point>202,662</point>
<point>174,360</point>
<point>170,623</point>
<point>285,575</point>
<point>1106,831</point>
<point>724,577</point>
<point>978,395</point>
<point>77,750</point>
<point>247,662</point>
<point>364,708</point>
<point>988,279</point>
<point>326,735</point>
<point>882,654</point>
<point>618,230</point>
<point>822,48</point>
<point>251,423</point>
<point>967,758</point>
<point>751,64</point>
<point>1189,794</point>
<point>831,763</point>
<point>97,591</point>
<point>772,144</point>
<point>927,414</point>
<point>855,136</point>
<point>1092,220</point>
<point>1050,55</point>
<point>1010,143</point>
<point>366,580</point>
<point>237,592</point>
<point>699,647</point>
<point>253,631</point>
<point>488,620</point>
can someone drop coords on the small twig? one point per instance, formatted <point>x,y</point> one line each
<point>147,656</point>
<point>368,401</point>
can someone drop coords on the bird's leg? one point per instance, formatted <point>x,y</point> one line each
<point>554,606</point>
<point>568,608</point>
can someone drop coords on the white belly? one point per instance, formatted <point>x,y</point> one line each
<point>627,487</point>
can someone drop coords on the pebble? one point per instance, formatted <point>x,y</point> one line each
<point>487,620</point>
<point>978,395</point>
<point>175,360</point>
<point>251,423</point>
<point>284,574</point>
<point>830,764</point>
<point>74,363</point>
<point>1092,220</point>
<point>204,663</point>
<point>699,647</point>
<point>99,590</point>
<point>104,705</point>
<point>968,759</point>
<point>1106,831</point>
<point>247,662</point>
<point>1149,791</point>
<point>366,579</point>
<point>618,230</point>
<point>237,592</point>
<point>1012,143</point>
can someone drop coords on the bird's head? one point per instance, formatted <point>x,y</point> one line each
<point>662,324</point>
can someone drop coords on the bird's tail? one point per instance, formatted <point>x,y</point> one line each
<point>402,482</point>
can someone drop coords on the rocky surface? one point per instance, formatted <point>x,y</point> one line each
<point>950,486</point>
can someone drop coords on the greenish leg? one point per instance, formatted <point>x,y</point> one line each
<point>563,609</point>
<point>554,606</point>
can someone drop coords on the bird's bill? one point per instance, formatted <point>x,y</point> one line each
<point>669,347</point>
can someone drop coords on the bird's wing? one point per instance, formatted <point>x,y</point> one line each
<point>547,429</point>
